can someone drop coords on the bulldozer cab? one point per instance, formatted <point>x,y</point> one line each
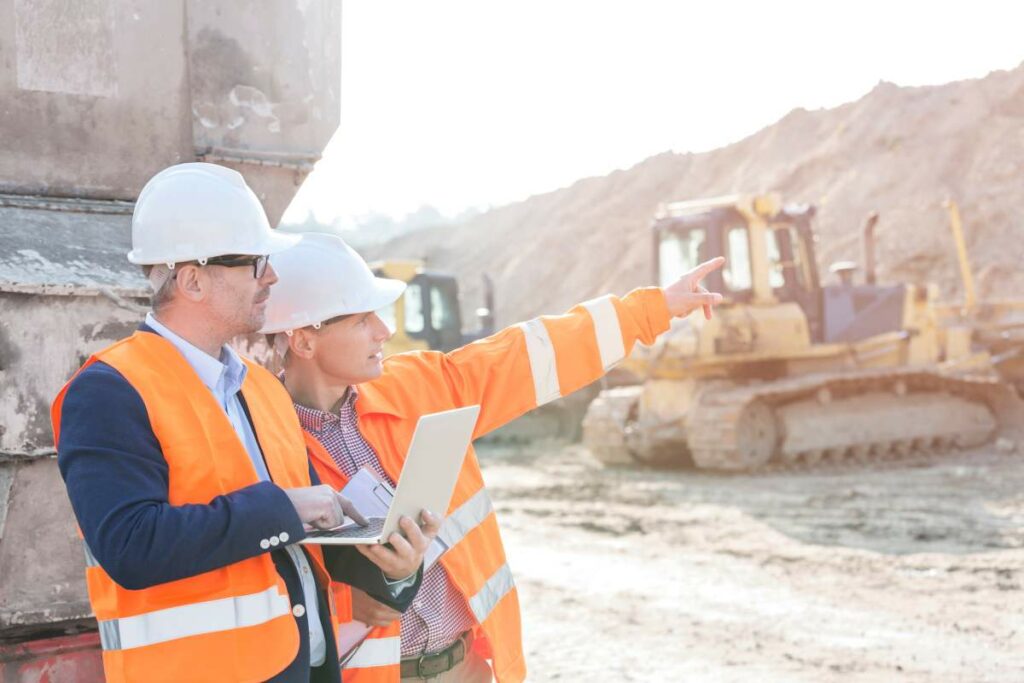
<point>770,260</point>
<point>769,250</point>
<point>427,315</point>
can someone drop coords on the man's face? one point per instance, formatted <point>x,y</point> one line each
<point>237,299</point>
<point>350,351</point>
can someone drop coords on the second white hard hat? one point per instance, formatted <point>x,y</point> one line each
<point>195,211</point>
<point>320,278</point>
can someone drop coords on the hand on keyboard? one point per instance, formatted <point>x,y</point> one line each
<point>352,530</point>
<point>322,507</point>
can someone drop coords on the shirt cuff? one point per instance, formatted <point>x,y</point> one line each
<point>395,587</point>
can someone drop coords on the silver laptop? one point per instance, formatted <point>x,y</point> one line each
<point>427,481</point>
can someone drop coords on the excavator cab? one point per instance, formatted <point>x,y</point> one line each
<point>427,315</point>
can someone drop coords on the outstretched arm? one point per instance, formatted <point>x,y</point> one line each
<point>537,361</point>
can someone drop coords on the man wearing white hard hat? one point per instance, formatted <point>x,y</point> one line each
<point>187,469</point>
<point>360,410</point>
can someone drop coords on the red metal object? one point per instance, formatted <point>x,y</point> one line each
<point>66,659</point>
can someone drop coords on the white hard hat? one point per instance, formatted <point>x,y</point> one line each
<point>192,212</point>
<point>320,278</point>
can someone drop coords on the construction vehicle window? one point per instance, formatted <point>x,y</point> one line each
<point>776,275</point>
<point>797,257</point>
<point>414,321</point>
<point>785,258</point>
<point>679,252</point>
<point>736,271</point>
<point>441,313</point>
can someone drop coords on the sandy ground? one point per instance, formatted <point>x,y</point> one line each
<point>896,573</point>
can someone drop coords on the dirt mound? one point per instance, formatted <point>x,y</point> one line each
<point>899,151</point>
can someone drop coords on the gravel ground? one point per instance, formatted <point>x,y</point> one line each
<point>899,572</point>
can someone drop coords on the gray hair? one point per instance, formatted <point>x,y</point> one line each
<point>161,280</point>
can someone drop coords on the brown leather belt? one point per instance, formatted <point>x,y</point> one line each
<point>426,666</point>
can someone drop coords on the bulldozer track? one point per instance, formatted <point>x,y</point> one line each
<point>879,464</point>
<point>737,427</point>
<point>759,427</point>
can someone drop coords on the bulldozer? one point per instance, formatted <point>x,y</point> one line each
<point>791,371</point>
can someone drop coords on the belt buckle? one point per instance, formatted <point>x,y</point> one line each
<point>445,659</point>
<point>422,660</point>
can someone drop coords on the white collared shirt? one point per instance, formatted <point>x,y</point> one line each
<point>224,379</point>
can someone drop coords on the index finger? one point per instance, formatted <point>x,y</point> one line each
<point>349,508</point>
<point>702,271</point>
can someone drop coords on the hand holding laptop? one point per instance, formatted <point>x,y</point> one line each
<point>427,481</point>
<point>407,548</point>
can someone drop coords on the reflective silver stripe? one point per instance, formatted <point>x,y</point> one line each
<point>466,518</point>
<point>90,559</point>
<point>110,637</point>
<point>377,652</point>
<point>607,329</point>
<point>491,594</point>
<point>192,620</point>
<point>542,361</point>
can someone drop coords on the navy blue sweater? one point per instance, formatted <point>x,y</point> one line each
<point>117,480</point>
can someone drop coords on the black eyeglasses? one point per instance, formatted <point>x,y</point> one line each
<point>258,263</point>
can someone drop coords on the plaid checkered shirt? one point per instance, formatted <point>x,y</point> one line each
<point>439,614</point>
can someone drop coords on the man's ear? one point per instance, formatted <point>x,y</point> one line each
<point>191,282</point>
<point>302,343</point>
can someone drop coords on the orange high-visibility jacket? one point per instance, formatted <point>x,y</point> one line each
<point>508,374</point>
<point>230,624</point>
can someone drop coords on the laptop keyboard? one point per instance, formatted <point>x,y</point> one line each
<point>371,530</point>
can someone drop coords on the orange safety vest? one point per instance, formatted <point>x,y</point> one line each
<point>230,624</point>
<point>507,374</point>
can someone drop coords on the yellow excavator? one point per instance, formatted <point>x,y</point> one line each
<point>790,370</point>
<point>428,314</point>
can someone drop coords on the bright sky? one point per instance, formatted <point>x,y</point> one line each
<point>457,103</point>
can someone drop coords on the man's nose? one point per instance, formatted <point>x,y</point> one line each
<point>269,276</point>
<point>382,331</point>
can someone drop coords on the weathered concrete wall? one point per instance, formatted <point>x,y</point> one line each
<point>43,340</point>
<point>94,95</point>
<point>97,95</point>
<point>265,81</point>
<point>264,75</point>
<point>66,290</point>
<point>61,245</point>
<point>43,563</point>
